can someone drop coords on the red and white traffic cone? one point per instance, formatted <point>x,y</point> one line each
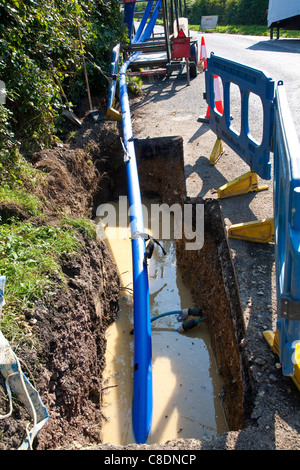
<point>218,101</point>
<point>218,96</point>
<point>204,117</point>
<point>203,54</point>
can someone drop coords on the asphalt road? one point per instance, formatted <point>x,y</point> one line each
<point>278,59</point>
<point>169,107</point>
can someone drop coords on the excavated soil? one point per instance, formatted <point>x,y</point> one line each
<point>66,359</point>
<point>67,367</point>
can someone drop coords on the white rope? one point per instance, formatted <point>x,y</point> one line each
<point>30,434</point>
<point>9,396</point>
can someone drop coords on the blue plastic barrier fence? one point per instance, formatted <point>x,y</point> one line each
<point>287,230</point>
<point>249,80</point>
<point>279,136</point>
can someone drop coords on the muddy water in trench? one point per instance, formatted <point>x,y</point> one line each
<point>186,386</point>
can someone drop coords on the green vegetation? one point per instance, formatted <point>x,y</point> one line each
<point>15,194</point>
<point>41,63</point>
<point>29,255</point>
<point>85,226</point>
<point>251,30</point>
<point>40,53</point>
<point>234,16</point>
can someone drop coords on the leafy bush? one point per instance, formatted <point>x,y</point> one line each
<point>40,55</point>
<point>235,12</point>
<point>39,52</point>
<point>8,143</point>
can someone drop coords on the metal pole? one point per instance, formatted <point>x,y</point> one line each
<point>84,69</point>
<point>166,28</point>
<point>172,17</point>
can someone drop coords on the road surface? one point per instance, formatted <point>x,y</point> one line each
<point>279,59</point>
<point>168,107</point>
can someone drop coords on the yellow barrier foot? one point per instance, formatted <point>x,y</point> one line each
<point>261,231</point>
<point>273,341</point>
<point>113,115</point>
<point>296,376</point>
<point>217,152</point>
<point>241,185</point>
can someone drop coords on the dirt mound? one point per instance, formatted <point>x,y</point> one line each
<point>71,331</point>
<point>71,180</point>
<point>11,210</point>
<point>69,323</point>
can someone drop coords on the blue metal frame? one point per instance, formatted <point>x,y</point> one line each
<point>129,9</point>
<point>248,80</point>
<point>143,21</point>
<point>287,229</point>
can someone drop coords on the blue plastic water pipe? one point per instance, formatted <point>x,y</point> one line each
<point>142,402</point>
<point>150,25</point>
<point>142,380</point>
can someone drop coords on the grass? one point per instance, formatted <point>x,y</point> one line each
<point>87,227</point>
<point>251,30</point>
<point>134,84</point>
<point>18,195</point>
<point>31,252</point>
<point>30,258</point>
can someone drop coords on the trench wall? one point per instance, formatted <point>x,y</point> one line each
<point>209,271</point>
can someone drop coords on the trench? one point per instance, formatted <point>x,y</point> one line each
<point>201,379</point>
